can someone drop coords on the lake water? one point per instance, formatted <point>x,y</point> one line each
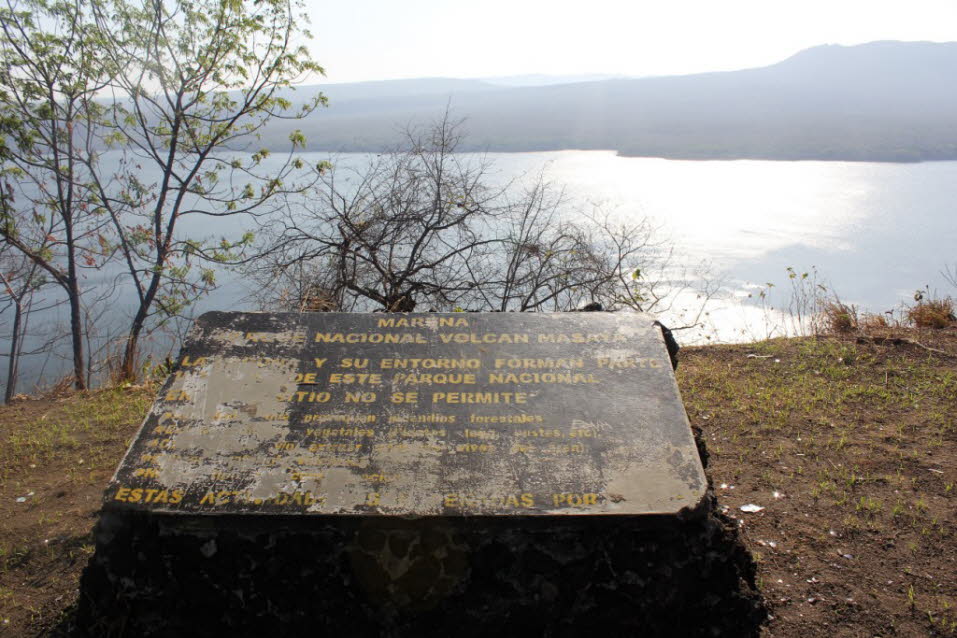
<point>874,232</point>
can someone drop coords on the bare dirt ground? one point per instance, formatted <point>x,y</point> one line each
<point>851,450</point>
<point>56,456</point>
<point>849,446</point>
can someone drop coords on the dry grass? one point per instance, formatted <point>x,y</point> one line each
<point>933,313</point>
<point>839,317</point>
<point>869,322</point>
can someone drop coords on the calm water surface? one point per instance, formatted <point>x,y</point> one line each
<point>874,232</point>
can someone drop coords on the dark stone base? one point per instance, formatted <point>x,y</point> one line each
<point>163,575</point>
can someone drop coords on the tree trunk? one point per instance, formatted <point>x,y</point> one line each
<point>128,369</point>
<point>76,330</point>
<point>12,371</point>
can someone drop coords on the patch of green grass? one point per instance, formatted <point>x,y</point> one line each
<point>12,555</point>
<point>869,506</point>
<point>36,432</point>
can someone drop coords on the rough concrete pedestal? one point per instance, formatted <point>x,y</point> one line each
<point>541,481</point>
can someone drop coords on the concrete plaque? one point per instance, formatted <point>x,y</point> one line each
<point>416,415</point>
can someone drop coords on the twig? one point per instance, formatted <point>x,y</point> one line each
<point>897,341</point>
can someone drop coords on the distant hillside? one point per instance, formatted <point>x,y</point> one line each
<point>883,101</point>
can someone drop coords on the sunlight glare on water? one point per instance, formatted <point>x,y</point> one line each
<point>727,210</point>
<point>873,232</point>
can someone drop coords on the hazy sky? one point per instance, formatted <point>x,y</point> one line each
<point>358,40</point>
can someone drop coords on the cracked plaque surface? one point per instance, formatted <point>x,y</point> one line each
<point>416,415</point>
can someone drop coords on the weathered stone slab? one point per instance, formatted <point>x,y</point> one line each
<point>417,475</point>
<point>416,415</point>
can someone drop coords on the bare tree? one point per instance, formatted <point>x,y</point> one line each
<point>426,227</point>
<point>950,274</point>
<point>393,235</point>
<point>548,260</point>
